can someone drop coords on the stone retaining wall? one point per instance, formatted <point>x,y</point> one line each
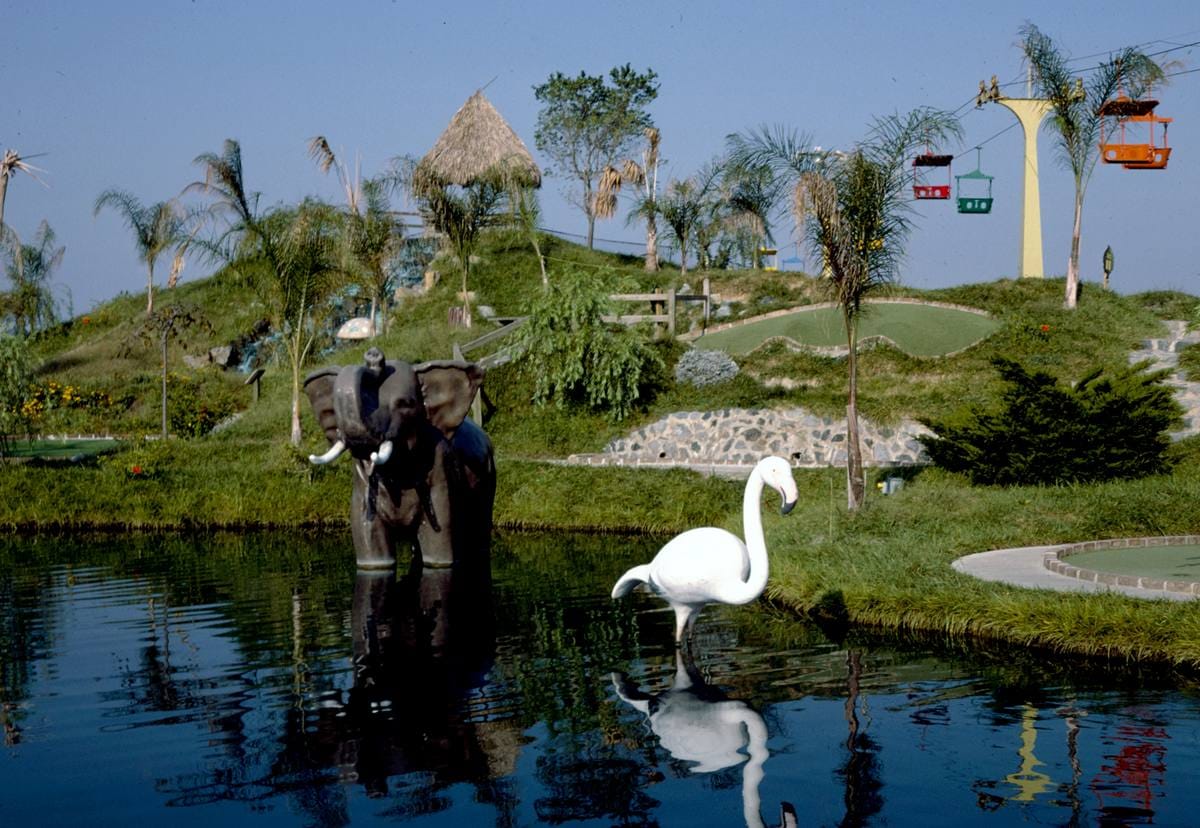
<point>1054,561</point>
<point>741,437</point>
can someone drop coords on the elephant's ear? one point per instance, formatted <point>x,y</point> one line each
<point>449,387</point>
<point>319,387</point>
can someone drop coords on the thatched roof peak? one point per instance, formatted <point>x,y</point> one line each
<point>478,145</point>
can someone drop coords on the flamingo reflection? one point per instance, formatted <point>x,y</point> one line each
<point>699,724</point>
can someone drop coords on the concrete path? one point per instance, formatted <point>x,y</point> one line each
<point>1024,567</point>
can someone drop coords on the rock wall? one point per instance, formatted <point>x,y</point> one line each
<point>741,437</point>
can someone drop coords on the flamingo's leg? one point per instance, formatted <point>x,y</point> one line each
<point>683,623</point>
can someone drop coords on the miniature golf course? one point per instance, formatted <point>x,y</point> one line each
<point>1168,563</point>
<point>919,329</point>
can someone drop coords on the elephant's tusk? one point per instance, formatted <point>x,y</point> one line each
<point>378,458</point>
<point>335,451</point>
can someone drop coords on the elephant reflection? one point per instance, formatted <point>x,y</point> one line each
<point>697,723</point>
<point>421,646</point>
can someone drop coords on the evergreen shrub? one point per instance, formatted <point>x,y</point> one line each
<point>1109,425</point>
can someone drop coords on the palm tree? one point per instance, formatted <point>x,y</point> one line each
<point>681,207</point>
<point>855,212</point>
<point>291,256</point>
<point>645,176</point>
<point>30,268</point>
<point>10,164</point>
<point>754,193</point>
<point>155,228</point>
<point>370,233</point>
<point>1076,119</point>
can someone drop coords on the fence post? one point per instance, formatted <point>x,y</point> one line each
<point>707,288</point>
<point>671,311</point>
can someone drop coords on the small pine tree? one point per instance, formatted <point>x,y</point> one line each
<point>1107,426</point>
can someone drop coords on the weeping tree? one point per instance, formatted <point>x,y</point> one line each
<point>156,227</point>
<point>855,212</point>
<point>30,302</point>
<point>1075,114</point>
<point>370,233</point>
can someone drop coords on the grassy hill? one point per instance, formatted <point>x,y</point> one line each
<point>100,352</point>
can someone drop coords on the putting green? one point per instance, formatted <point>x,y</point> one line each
<point>1168,563</point>
<point>924,330</point>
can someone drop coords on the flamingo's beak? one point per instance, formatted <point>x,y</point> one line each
<point>788,505</point>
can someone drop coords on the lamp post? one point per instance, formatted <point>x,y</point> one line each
<point>1108,264</point>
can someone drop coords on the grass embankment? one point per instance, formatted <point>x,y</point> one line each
<point>887,566</point>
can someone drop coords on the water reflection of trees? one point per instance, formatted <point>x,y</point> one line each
<point>311,689</point>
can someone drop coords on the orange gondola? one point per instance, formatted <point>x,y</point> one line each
<point>1119,148</point>
<point>922,189</point>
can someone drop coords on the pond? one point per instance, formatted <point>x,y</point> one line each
<point>260,680</point>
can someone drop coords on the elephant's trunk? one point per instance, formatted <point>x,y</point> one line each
<point>335,451</point>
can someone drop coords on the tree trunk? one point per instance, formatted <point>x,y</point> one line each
<point>164,385</point>
<point>150,288</point>
<point>651,245</point>
<point>1072,297</point>
<point>3,196</point>
<point>855,484</point>
<point>374,309</point>
<point>683,246</point>
<point>296,434</point>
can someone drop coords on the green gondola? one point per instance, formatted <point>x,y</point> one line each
<point>976,199</point>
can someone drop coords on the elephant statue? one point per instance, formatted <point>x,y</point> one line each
<point>422,471</point>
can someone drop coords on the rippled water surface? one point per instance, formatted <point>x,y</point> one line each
<point>261,680</point>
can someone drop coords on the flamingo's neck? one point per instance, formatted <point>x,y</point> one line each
<point>756,545</point>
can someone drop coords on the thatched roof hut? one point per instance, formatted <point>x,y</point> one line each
<point>478,146</point>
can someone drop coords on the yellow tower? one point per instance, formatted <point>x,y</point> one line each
<point>1030,112</point>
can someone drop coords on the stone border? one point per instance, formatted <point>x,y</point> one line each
<point>1054,561</point>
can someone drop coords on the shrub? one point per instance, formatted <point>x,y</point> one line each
<point>1040,432</point>
<point>194,406</point>
<point>573,356</point>
<point>700,368</point>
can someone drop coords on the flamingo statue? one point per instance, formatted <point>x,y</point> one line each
<point>710,565</point>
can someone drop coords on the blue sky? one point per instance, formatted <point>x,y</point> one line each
<point>126,94</point>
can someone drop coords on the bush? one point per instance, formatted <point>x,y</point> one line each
<point>195,406</point>
<point>573,356</point>
<point>700,368</point>
<point>1104,428</point>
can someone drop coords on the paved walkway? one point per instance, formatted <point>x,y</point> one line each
<point>1024,567</point>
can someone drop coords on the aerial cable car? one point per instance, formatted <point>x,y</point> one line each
<point>976,198</point>
<point>1115,146</point>
<point>923,165</point>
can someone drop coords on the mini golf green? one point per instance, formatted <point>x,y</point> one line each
<point>919,329</point>
<point>48,449</point>
<point>1168,563</point>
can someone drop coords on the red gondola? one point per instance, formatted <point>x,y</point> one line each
<point>922,167</point>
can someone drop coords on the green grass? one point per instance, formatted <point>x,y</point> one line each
<point>919,330</point>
